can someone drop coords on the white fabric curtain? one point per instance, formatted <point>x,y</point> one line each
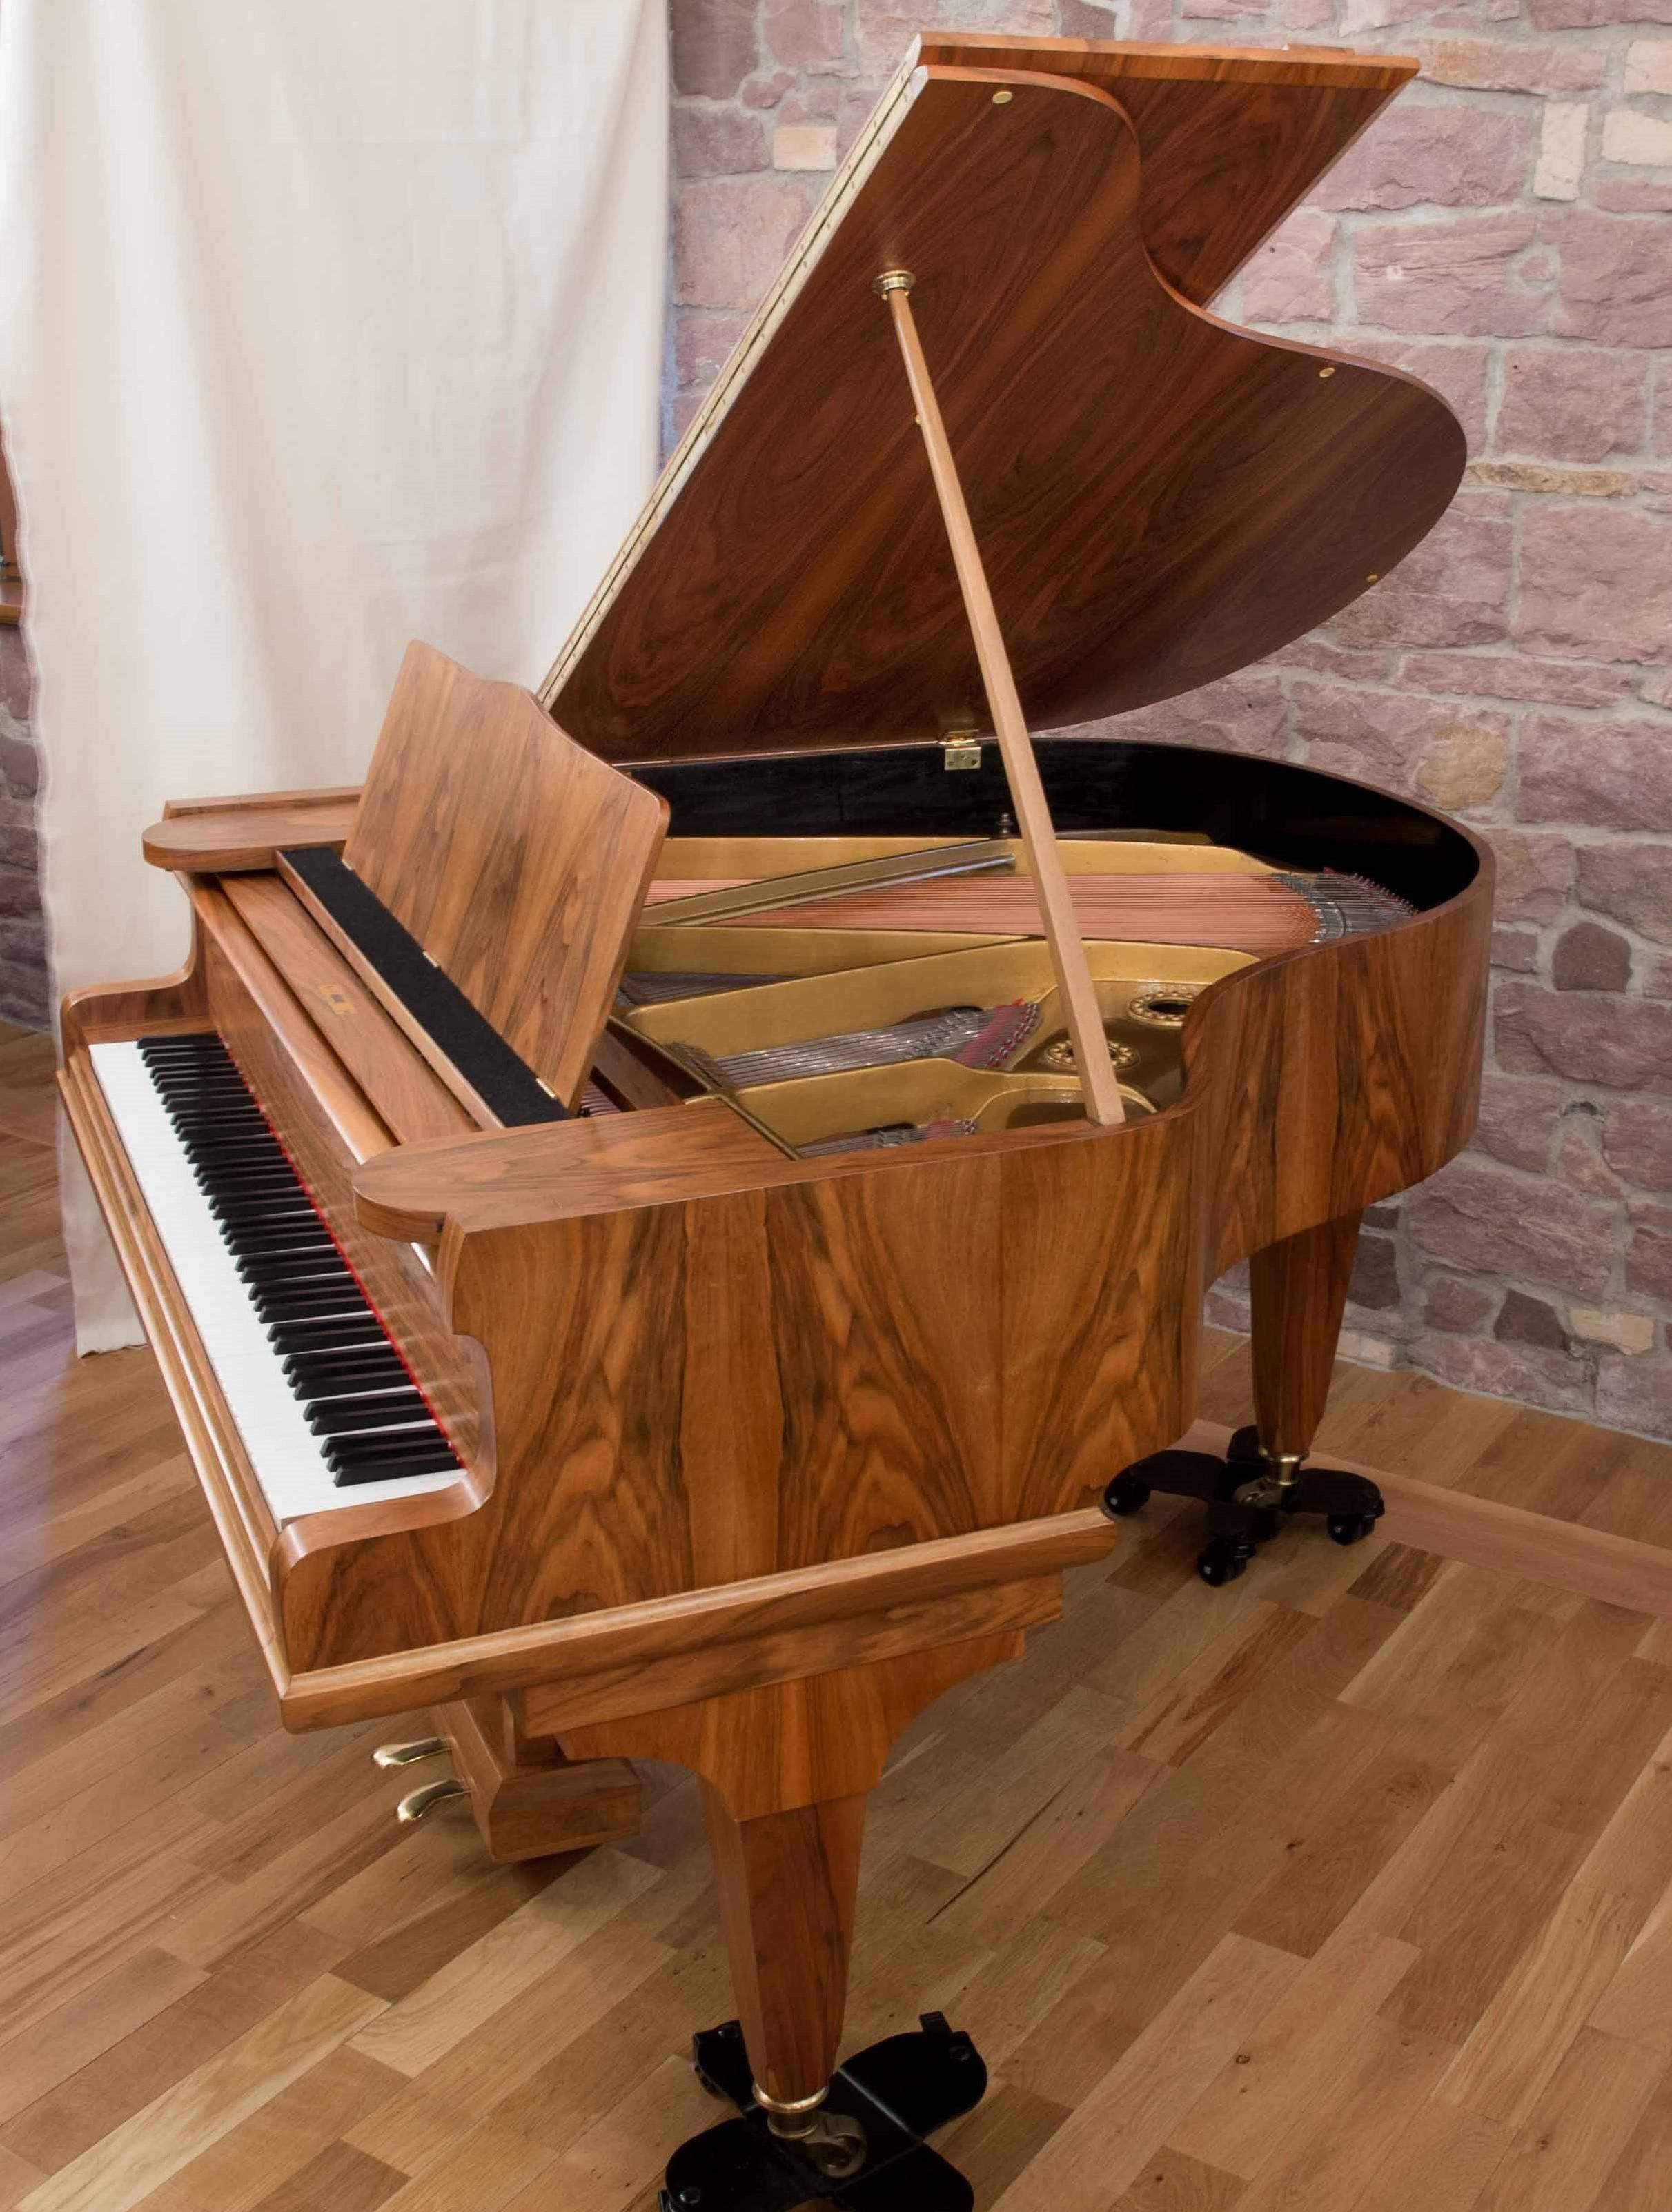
<point>324,325</point>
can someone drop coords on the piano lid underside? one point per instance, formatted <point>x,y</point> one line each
<point>1159,499</point>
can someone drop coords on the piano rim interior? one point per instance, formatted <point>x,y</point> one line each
<point>1187,798</point>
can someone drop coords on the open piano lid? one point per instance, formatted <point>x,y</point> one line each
<point>1159,498</point>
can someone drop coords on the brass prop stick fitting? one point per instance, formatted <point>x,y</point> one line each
<point>1072,971</point>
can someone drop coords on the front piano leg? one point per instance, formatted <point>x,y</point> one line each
<point>785,1770</point>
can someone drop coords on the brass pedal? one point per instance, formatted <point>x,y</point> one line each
<point>419,1803</point>
<point>409,1754</point>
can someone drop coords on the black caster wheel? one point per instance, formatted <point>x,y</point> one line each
<point>1350,1527</point>
<point>1126,1493</point>
<point>1223,1560</point>
<point>709,2087</point>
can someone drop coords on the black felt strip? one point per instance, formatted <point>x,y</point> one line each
<point>501,1077</point>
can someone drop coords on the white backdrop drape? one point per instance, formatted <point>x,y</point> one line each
<point>324,325</point>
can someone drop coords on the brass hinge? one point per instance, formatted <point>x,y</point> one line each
<point>960,749</point>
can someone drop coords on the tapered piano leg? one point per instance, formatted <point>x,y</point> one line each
<point>787,1883</point>
<point>785,1770</point>
<point>1298,1291</point>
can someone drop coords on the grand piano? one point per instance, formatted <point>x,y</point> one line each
<point>673,1214</point>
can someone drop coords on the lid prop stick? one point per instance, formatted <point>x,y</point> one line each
<point>1067,948</point>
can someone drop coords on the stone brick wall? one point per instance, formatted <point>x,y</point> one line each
<point>23,989</point>
<point>1507,233</point>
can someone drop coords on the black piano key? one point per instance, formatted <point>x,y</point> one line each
<point>248,1217</point>
<point>281,1271</point>
<point>418,1454</point>
<point>304,1305</point>
<point>237,1151</point>
<point>396,1409</point>
<point>335,1374</point>
<point>393,1452</point>
<point>317,1335</point>
<point>247,1243</point>
<point>350,1476</point>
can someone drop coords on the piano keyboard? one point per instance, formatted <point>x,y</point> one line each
<point>328,1412</point>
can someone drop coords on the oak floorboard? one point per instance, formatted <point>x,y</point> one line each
<point>1350,1884</point>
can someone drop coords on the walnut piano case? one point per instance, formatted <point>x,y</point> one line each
<point>736,1451</point>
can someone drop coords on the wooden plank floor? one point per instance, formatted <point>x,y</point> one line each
<point>1346,1889</point>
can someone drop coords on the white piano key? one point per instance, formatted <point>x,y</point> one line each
<point>288,1458</point>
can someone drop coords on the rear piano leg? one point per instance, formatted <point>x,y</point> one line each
<point>1298,1294</point>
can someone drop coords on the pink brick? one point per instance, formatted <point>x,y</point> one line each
<point>15,682</point>
<point>766,91</point>
<point>1246,714</point>
<point>1454,756</point>
<point>1615,774</point>
<point>731,239</point>
<point>1558,1380</point>
<point>713,46</point>
<point>1511,676</point>
<point>703,343</point>
<point>1465,276</point>
<point>885,29</point>
<point>1615,282</point>
<point>1323,660</point>
<point>1637,1142</point>
<point>1595,14</point>
<point>1632,196</point>
<point>1635,1393</point>
<point>1594,582</point>
<point>1649,1253</point>
<point>1572,403</point>
<point>1289,279</point>
<point>1515,949</point>
<point>1534,875</point>
<point>1619,1045</point>
<point>1451,1302</point>
<point>1482,1217</point>
<point>1518,1118</point>
<point>1632,881</point>
<point>1452,589</point>
<point>1418,155</point>
<point>1496,66</point>
<point>806,34</point>
<point>717,142</point>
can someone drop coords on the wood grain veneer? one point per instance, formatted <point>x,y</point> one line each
<point>242,835</point>
<point>408,1097</point>
<point>527,1800</point>
<point>518,862</point>
<point>1233,138</point>
<point>1239,491</point>
<point>779,1449</point>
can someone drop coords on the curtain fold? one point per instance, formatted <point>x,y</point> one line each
<point>322,327</point>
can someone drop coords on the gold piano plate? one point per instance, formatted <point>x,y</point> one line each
<point>811,1108</point>
<point>801,1012</point>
